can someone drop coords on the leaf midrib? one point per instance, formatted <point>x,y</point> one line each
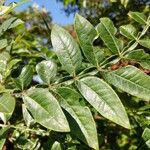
<point>111,37</point>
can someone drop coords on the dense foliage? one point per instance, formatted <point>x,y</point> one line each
<point>89,93</point>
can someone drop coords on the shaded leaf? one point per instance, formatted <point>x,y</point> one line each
<point>26,116</point>
<point>3,136</point>
<point>104,99</point>
<point>46,70</point>
<point>141,57</point>
<point>56,146</point>
<point>83,126</point>
<point>66,49</point>
<point>24,78</point>
<point>131,80</point>
<point>46,110</point>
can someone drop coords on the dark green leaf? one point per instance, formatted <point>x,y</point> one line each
<point>141,57</point>
<point>24,78</point>
<point>104,99</point>
<point>3,136</point>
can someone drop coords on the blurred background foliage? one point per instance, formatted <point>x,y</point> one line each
<point>117,10</point>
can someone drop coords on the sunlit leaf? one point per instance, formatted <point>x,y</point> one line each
<point>104,99</point>
<point>7,105</point>
<point>86,34</point>
<point>46,70</point>
<point>130,80</point>
<point>45,109</point>
<point>107,31</point>
<point>83,125</point>
<point>66,49</point>
<point>138,17</point>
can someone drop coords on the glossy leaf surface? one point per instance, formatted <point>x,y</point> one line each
<point>46,110</point>
<point>107,31</point>
<point>24,78</point>
<point>86,34</point>
<point>138,17</point>
<point>66,49</point>
<point>85,128</point>
<point>128,31</point>
<point>130,80</point>
<point>103,98</point>
<point>46,70</point>
<point>7,105</point>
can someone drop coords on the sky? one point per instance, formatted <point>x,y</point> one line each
<point>55,8</point>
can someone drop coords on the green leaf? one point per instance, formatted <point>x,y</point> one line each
<point>3,43</point>
<point>47,70</point>
<point>129,31</point>
<point>83,125</point>
<point>141,57</point>
<point>124,2</point>
<point>103,98</point>
<point>146,139</point>
<point>145,43</point>
<point>24,78</point>
<point>66,49</point>
<point>56,146</point>
<point>146,134</point>
<point>86,34</point>
<point>138,17</point>
<point>131,80</point>
<point>107,31</point>
<point>4,57</point>
<point>26,116</point>
<point>7,105</point>
<point>99,54</point>
<point>10,23</point>
<point>10,65</point>
<point>46,110</point>
<point>7,9</point>
<point>3,136</point>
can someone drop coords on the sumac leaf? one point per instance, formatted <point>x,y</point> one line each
<point>45,110</point>
<point>104,99</point>
<point>131,80</point>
